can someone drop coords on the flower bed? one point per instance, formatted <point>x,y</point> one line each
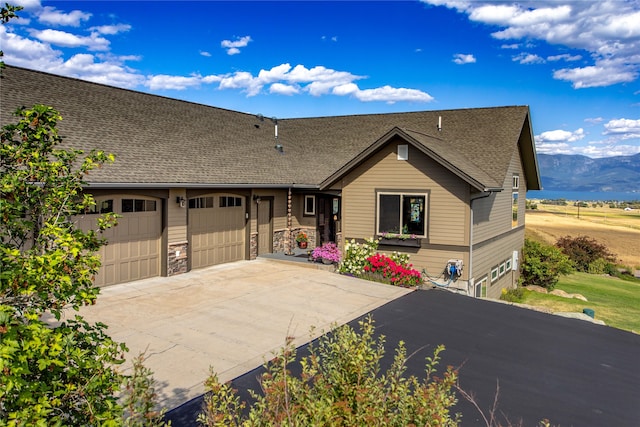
<point>385,268</point>
<point>328,251</point>
<point>363,260</point>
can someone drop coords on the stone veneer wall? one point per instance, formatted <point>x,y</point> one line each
<point>253,246</point>
<point>177,259</point>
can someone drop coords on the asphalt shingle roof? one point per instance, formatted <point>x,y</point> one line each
<point>159,140</point>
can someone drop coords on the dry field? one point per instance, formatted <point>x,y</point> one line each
<point>615,228</point>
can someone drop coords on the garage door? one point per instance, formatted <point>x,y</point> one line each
<point>216,229</point>
<point>133,251</point>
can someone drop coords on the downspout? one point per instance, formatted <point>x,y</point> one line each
<point>485,194</point>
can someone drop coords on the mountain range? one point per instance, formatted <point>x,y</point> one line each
<point>561,172</point>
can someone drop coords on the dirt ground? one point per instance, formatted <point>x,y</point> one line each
<point>622,241</point>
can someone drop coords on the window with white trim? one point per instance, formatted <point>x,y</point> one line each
<point>516,181</point>
<point>481,288</point>
<point>401,213</point>
<point>494,274</point>
<point>503,269</point>
<point>309,205</point>
<point>508,264</point>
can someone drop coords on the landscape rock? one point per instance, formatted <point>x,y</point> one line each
<point>536,288</point>
<point>563,294</point>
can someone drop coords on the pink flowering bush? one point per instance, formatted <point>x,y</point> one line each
<point>328,251</point>
<point>391,271</point>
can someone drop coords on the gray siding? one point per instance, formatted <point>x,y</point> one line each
<point>491,254</point>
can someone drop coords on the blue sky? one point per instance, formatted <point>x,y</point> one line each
<point>575,63</point>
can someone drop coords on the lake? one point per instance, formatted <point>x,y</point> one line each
<point>584,195</point>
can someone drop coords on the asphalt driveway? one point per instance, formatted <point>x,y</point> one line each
<point>231,317</point>
<point>569,371</point>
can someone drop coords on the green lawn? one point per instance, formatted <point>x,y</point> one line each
<point>615,301</point>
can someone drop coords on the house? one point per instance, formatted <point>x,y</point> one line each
<point>198,186</point>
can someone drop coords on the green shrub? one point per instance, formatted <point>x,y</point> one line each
<point>583,251</point>
<point>512,295</point>
<point>341,384</point>
<point>599,266</point>
<point>542,264</point>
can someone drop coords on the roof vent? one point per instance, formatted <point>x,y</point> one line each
<point>439,123</point>
<point>279,148</point>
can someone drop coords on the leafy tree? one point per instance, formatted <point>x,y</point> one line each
<point>54,372</point>
<point>7,12</point>
<point>542,264</point>
<point>584,251</point>
<point>341,385</point>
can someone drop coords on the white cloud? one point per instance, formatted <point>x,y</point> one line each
<point>65,39</point>
<point>391,95</point>
<point>559,135</point>
<point>111,29</point>
<point>510,46</point>
<point>616,130</point>
<point>316,81</point>
<point>527,58</point>
<point>564,57</point>
<point>283,89</point>
<point>607,150</point>
<point>462,58</point>
<point>604,73</point>
<point>233,47</point>
<point>205,53</point>
<point>594,120</point>
<point>164,82</point>
<point>49,15</point>
<point>607,29</point>
<point>624,128</point>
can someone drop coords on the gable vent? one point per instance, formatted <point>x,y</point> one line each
<point>403,152</point>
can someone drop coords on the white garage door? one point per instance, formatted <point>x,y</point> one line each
<point>216,229</point>
<point>133,251</point>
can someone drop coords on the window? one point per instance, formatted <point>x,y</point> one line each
<point>481,288</point>
<point>138,205</point>
<point>402,213</point>
<point>503,268</point>
<point>494,274</point>
<point>403,152</point>
<point>230,201</point>
<point>201,202</point>
<point>104,206</point>
<point>309,205</point>
<point>508,264</point>
<point>516,181</point>
<point>514,209</point>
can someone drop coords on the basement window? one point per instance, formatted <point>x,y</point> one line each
<point>494,274</point>
<point>481,288</point>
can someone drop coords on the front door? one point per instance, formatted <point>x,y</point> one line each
<point>328,217</point>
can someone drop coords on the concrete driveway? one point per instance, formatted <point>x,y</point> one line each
<point>231,317</point>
